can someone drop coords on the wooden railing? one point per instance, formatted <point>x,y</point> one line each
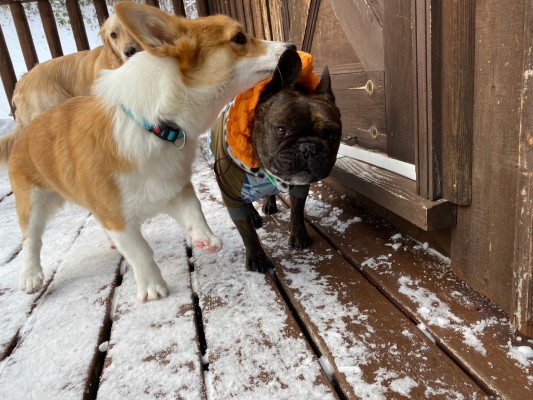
<point>7,72</point>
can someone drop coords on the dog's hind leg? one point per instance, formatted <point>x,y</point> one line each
<point>139,254</point>
<point>35,207</point>
<point>186,210</point>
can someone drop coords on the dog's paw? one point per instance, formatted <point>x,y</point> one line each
<point>259,264</point>
<point>30,281</point>
<point>208,245</point>
<point>152,290</point>
<point>269,206</point>
<point>300,240</point>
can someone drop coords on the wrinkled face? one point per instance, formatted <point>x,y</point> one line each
<point>296,136</point>
<point>118,39</point>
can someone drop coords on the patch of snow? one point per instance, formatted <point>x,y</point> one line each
<point>403,386</point>
<point>329,216</point>
<point>397,236</point>
<point>103,347</point>
<point>6,126</point>
<point>522,354</point>
<point>436,312</point>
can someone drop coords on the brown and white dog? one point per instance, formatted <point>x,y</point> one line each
<point>106,152</point>
<point>57,80</point>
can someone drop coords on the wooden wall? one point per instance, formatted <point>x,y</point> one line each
<point>483,241</point>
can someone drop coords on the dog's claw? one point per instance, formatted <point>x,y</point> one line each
<point>300,241</point>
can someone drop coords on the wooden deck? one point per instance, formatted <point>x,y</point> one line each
<point>364,313</point>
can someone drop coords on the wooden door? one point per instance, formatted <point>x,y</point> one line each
<point>381,59</point>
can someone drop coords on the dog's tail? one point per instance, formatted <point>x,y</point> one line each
<point>6,143</point>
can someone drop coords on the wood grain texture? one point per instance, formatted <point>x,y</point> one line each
<point>203,7</point>
<point>456,53</point>
<point>473,330</point>
<point>482,249</point>
<point>522,286</point>
<point>179,8</point>
<point>7,72</point>
<point>101,10</point>
<point>297,19</point>
<point>50,27</point>
<point>76,21</point>
<point>395,193</point>
<point>24,35</point>
<point>369,334</point>
<point>360,97</point>
<point>362,24</point>
<point>400,78</point>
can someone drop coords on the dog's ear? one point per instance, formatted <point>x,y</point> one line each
<point>286,74</point>
<point>157,32</point>
<point>324,86</point>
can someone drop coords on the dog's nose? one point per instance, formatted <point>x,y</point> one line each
<point>308,149</point>
<point>129,51</point>
<point>291,46</point>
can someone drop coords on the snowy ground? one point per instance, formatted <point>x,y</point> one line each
<point>254,348</point>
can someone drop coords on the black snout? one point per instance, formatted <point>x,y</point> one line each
<point>308,149</point>
<point>291,47</point>
<point>129,51</point>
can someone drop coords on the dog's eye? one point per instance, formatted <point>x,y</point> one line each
<point>113,35</point>
<point>239,38</point>
<point>280,130</point>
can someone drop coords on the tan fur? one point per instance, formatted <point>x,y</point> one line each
<point>73,151</point>
<point>211,34</point>
<point>57,80</point>
<point>80,165</point>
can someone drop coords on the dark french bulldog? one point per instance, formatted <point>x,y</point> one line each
<point>295,135</point>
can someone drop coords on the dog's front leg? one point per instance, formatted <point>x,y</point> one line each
<point>256,258</point>
<point>139,254</point>
<point>185,208</point>
<point>299,237</point>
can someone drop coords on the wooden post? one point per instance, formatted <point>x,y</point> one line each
<point>7,73</point>
<point>202,7</point>
<point>50,28</point>
<point>522,290</point>
<point>154,3</point>
<point>24,34</point>
<point>456,55</point>
<point>101,11</point>
<point>179,8</point>
<point>78,28</point>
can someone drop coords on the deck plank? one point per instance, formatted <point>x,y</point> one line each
<point>153,351</point>
<point>15,305</point>
<point>58,345</point>
<point>373,349</point>
<point>469,327</point>
<point>254,346</point>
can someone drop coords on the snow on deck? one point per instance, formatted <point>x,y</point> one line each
<point>324,325</point>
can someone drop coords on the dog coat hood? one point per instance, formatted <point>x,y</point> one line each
<point>241,115</point>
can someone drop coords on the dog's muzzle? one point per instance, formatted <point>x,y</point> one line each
<point>129,51</point>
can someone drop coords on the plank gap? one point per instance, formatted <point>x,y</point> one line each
<point>10,347</point>
<point>97,364</point>
<point>307,335</point>
<point>198,317</point>
<point>404,310</point>
<point>5,196</point>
